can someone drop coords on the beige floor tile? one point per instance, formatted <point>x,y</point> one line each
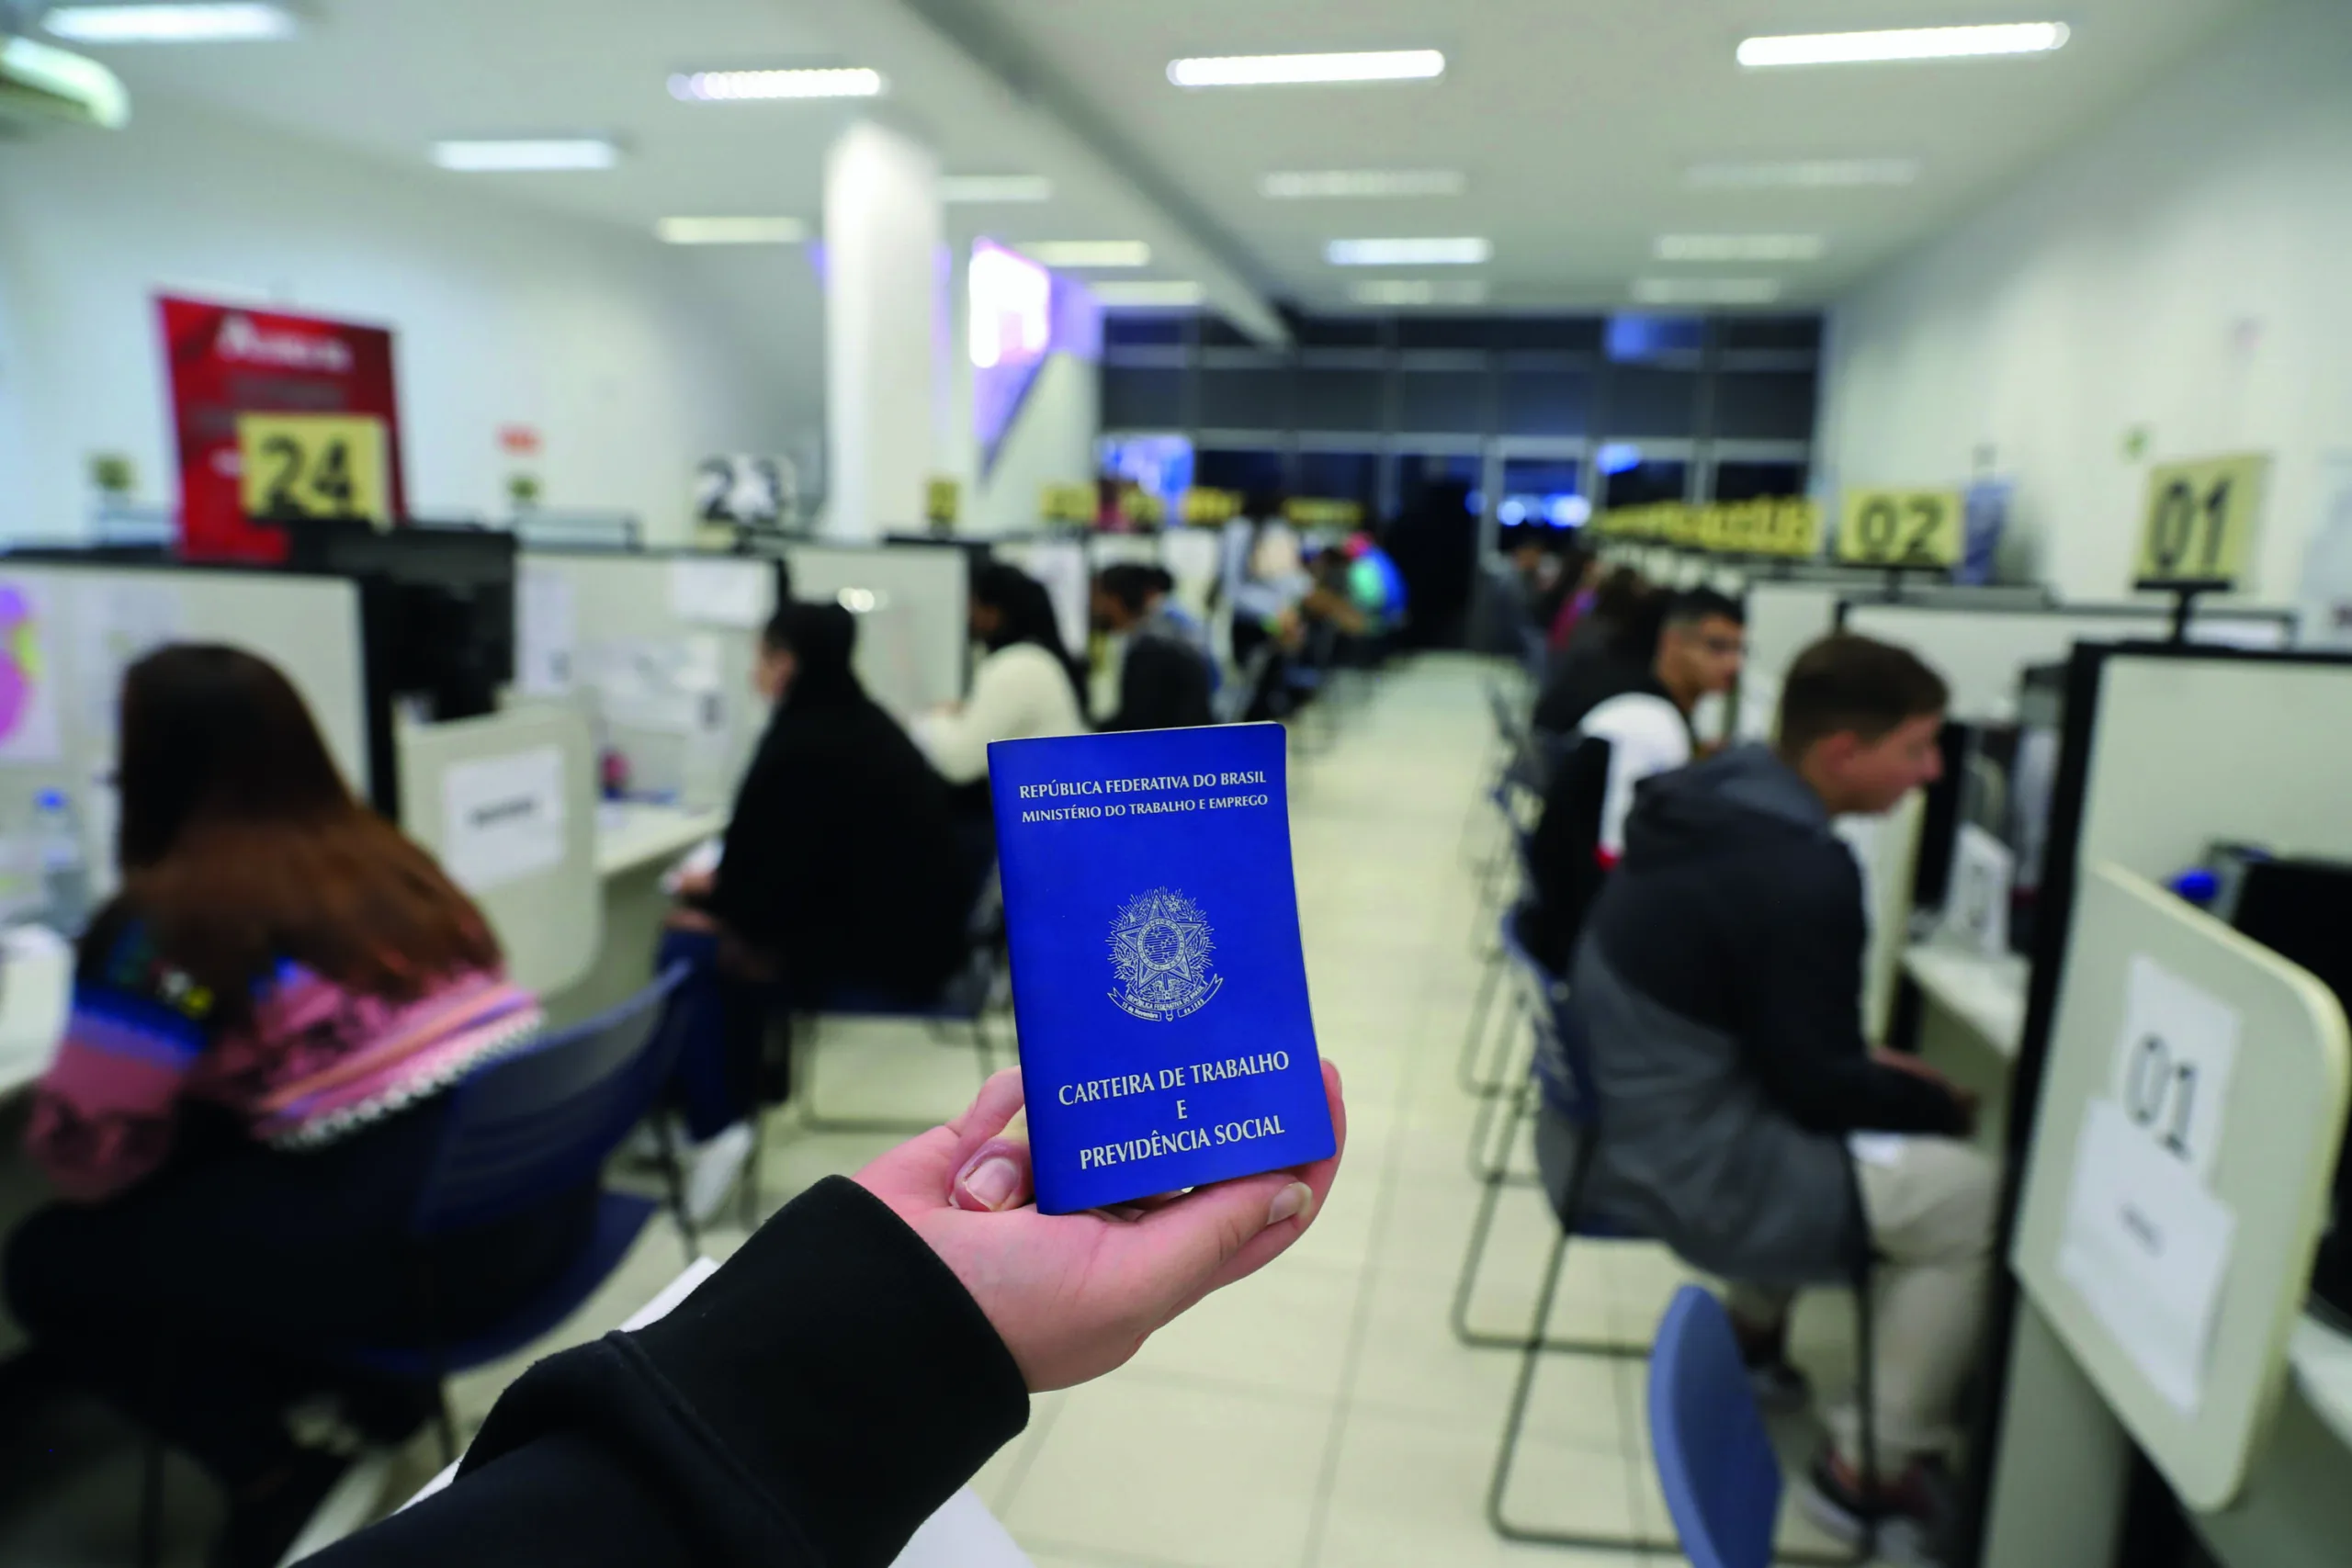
<point>1284,1331</point>
<point>1197,1477</point>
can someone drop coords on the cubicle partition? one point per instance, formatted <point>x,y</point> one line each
<point>2135,1409</point>
<point>67,633</point>
<point>912,608</point>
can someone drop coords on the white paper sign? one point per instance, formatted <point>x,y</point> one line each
<point>2173,1062</point>
<point>502,818</point>
<point>2146,1246</point>
<point>547,632</point>
<point>1977,912</point>
<point>722,592</point>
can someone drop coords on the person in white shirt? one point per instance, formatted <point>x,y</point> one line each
<point>1027,686</point>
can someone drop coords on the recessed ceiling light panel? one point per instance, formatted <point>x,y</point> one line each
<point>1088,253</point>
<point>1145,296</point>
<point>1341,184</point>
<point>731,231</point>
<point>1306,70</point>
<point>541,155</point>
<point>1741,247</point>
<point>976,190</point>
<point>1706,291</point>
<point>1410,291</point>
<point>1467,250</point>
<point>756,87</point>
<point>1803,173</point>
<point>245,22</point>
<point>1904,43</point>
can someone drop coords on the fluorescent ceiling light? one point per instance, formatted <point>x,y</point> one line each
<point>237,23</point>
<point>1904,43</point>
<point>974,189</point>
<point>1741,247</point>
<point>731,231</point>
<point>1314,184</point>
<point>1088,253</point>
<point>1706,291</point>
<point>1465,252</point>
<point>1295,70</point>
<point>1418,291</point>
<point>1812,174</point>
<point>750,86</point>
<point>1147,296</point>
<point>541,155</point>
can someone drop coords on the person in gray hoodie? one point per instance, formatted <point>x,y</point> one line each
<point>1743,1118</point>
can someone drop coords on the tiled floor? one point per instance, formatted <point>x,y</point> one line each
<point>1321,1415</point>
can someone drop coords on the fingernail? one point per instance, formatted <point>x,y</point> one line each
<point>1290,1203</point>
<point>994,1184</point>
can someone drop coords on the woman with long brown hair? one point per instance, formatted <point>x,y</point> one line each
<point>248,1095</point>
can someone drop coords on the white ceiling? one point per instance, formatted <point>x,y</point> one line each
<point>1573,119</point>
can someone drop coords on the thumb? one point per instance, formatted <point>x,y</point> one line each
<point>1185,1247</point>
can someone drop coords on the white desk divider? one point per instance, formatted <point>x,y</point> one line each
<point>913,621</point>
<point>507,803</point>
<point>2261,1151</point>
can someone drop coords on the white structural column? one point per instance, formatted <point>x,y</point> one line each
<point>883,329</point>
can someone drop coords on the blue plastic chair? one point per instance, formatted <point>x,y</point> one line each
<point>1715,1460</point>
<point>521,1132</point>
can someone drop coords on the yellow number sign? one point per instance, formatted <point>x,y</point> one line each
<point>299,466</point>
<point>942,501</point>
<point>1901,528</point>
<point>2201,521</point>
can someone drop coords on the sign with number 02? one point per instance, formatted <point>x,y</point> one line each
<point>2201,521</point>
<point>1921,528</point>
<point>2173,1062</point>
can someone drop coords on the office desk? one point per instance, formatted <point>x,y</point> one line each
<point>632,834</point>
<point>636,842</point>
<point>1972,1025</point>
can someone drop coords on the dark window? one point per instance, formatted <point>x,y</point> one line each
<point>1445,331</point>
<point>1338,331</point>
<point>1764,405</point>
<point>1252,474</point>
<point>1757,481</point>
<point>1769,332</point>
<point>1217,333</point>
<point>1546,402</point>
<point>1634,340</point>
<point>1143,331</point>
<point>1419,473</point>
<point>1142,398</point>
<point>1245,400</point>
<point>1578,334</point>
<point>1341,400</point>
<point>1447,401</point>
<point>1542,492</point>
<point>1653,403</point>
<point>1645,483</point>
<point>1342,476</point>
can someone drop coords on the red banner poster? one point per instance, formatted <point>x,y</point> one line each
<point>228,360</point>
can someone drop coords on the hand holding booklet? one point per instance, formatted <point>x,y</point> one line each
<point>1158,978</point>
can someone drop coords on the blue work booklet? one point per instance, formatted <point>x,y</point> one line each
<point>1158,978</point>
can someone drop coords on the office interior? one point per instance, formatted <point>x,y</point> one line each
<point>665,314</point>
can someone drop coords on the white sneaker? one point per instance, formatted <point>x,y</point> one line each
<point>713,1168</point>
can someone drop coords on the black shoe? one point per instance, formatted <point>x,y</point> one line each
<point>1904,1519</point>
<point>265,1522</point>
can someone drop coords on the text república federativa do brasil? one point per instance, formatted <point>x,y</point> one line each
<point>1171,784</point>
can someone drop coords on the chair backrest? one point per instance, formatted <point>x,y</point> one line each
<point>1562,1061</point>
<point>1715,1460</point>
<point>530,1127</point>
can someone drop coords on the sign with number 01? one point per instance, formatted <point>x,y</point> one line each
<point>1916,528</point>
<point>2201,518</point>
<point>2173,1062</point>
<point>302,466</point>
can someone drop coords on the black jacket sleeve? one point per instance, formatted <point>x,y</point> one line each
<point>1805,1040</point>
<point>812,1404</point>
<point>1163,685</point>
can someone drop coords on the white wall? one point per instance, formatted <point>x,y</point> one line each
<point>886,331</point>
<point>1051,442</point>
<point>2185,268</point>
<point>633,359</point>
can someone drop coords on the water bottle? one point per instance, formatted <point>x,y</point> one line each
<point>64,868</point>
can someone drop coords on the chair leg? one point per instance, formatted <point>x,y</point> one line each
<point>665,1136</point>
<point>1465,1283</point>
<point>1531,1349</point>
<point>1482,1167</point>
<point>1465,1067</point>
<point>817,1120</point>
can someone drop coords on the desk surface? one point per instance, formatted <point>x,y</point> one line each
<point>632,834</point>
<point>1986,994</point>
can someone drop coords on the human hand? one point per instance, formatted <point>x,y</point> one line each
<point>1902,1062</point>
<point>681,918</point>
<point>694,883</point>
<point>1074,1296</point>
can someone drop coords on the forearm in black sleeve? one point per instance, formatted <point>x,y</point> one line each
<point>813,1403</point>
<point>1806,1044</point>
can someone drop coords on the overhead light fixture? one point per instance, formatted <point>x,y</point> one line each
<point>535,155</point>
<point>1803,173</point>
<point>1139,295</point>
<point>1463,251</point>
<point>959,190</point>
<point>247,21</point>
<point>1418,291</point>
<point>1904,43</point>
<point>731,231</point>
<point>1706,291</point>
<point>1338,185</point>
<point>1306,70</point>
<point>1088,253</point>
<point>755,86</point>
<point>1741,247</point>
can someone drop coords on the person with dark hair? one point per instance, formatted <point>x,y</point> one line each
<point>1744,1119</point>
<point>1027,686</point>
<point>248,1096</point>
<point>1631,726</point>
<point>1163,679</point>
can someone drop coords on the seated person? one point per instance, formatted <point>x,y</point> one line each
<point>1636,724</point>
<point>1161,603</point>
<point>1164,680</point>
<point>1718,990</point>
<point>249,1095</point>
<point>1619,630</point>
<point>1026,687</point>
